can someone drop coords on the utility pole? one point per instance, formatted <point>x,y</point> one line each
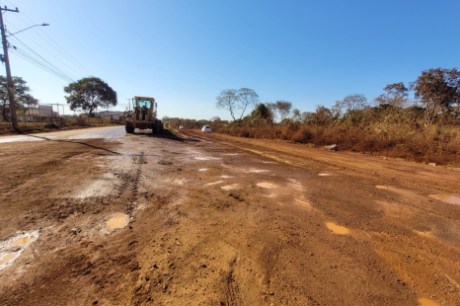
<point>6,60</point>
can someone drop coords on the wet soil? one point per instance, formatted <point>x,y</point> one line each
<point>217,220</point>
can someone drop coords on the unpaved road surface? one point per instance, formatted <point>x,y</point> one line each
<point>96,217</point>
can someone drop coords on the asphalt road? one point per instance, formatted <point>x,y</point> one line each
<point>108,132</point>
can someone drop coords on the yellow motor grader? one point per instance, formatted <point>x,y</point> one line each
<point>143,116</point>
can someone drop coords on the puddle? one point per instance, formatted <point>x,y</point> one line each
<point>214,183</point>
<point>258,171</point>
<point>230,187</point>
<point>12,248</point>
<point>117,220</point>
<point>337,229</point>
<point>447,198</point>
<point>427,302</point>
<point>324,174</point>
<point>231,154</point>
<point>266,185</point>
<point>203,169</point>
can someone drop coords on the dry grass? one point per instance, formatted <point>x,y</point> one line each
<point>434,143</point>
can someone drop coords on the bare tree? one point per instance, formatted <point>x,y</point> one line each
<point>228,99</point>
<point>236,102</point>
<point>352,102</point>
<point>246,97</point>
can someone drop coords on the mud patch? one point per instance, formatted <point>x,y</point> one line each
<point>427,302</point>
<point>117,221</point>
<point>230,187</point>
<point>337,229</point>
<point>267,185</point>
<point>447,198</point>
<point>100,188</point>
<point>12,248</point>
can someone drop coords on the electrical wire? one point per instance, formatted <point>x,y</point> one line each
<point>39,64</point>
<point>63,55</point>
<point>43,59</point>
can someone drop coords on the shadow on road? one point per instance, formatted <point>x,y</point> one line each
<point>167,134</point>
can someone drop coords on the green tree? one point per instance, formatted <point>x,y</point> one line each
<point>262,114</point>
<point>395,95</point>
<point>439,90</point>
<point>21,92</point>
<point>321,117</point>
<point>90,93</point>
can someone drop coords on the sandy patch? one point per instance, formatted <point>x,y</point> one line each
<point>230,187</point>
<point>447,198</point>
<point>427,302</point>
<point>252,170</point>
<point>266,185</point>
<point>205,158</point>
<point>337,229</point>
<point>214,183</point>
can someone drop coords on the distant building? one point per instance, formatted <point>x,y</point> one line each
<point>42,111</point>
<point>115,115</point>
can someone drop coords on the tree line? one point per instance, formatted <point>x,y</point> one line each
<point>437,93</point>
<point>86,94</point>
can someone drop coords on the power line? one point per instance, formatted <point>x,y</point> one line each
<point>43,59</point>
<point>59,50</point>
<point>36,62</point>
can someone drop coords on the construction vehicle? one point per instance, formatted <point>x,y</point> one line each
<point>143,116</point>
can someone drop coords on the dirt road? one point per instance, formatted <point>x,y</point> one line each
<point>215,220</point>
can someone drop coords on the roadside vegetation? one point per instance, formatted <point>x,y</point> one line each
<point>85,96</point>
<point>425,128</point>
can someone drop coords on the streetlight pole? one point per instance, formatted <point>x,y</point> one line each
<point>6,59</point>
<point>32,26</point>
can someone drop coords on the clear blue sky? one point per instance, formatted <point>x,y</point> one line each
<point>184,52</point>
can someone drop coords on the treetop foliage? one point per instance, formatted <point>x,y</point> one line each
<point>90,93</point>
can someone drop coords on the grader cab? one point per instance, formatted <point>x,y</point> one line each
<point>143,116</point>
